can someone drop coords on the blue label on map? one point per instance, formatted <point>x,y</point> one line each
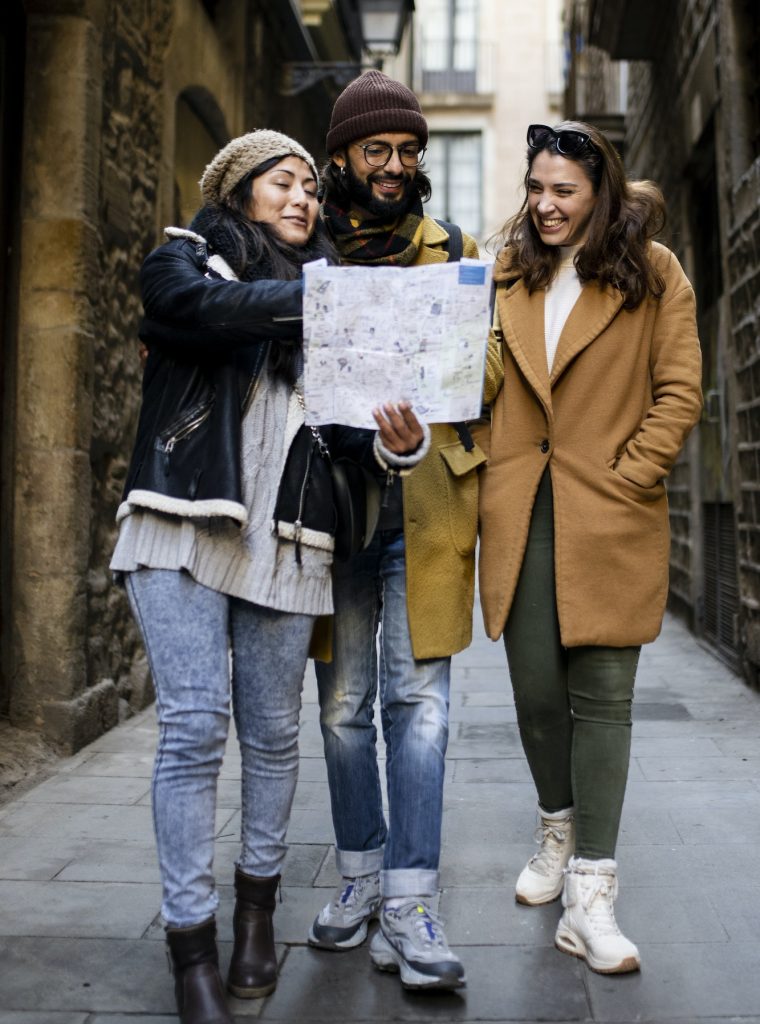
<point>471,275</point>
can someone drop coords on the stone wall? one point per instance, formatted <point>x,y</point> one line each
<point>744,263</point>
<point>135,40</point>
<point>102,85</point>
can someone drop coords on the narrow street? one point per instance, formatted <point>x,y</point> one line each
<point>79,888</point>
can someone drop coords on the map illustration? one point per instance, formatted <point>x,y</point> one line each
<point>383,334</point>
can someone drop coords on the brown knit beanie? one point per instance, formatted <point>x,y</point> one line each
<point>243,155</point>
<point>374,103</point>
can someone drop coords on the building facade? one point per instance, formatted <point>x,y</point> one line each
<point>483,70</point>
<point>683,99</point>
<point>108,113</point>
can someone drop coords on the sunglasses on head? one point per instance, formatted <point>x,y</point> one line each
<point>568,141</point>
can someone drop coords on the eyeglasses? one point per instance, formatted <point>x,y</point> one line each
<point>377,154</point>
<point>568,141</point>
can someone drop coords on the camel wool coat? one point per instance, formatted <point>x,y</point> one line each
<point>608,424</point>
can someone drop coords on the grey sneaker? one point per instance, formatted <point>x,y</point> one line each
<point>343,923</point>
<point>411,940</point>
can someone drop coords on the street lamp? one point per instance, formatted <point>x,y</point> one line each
<point>382,24</point>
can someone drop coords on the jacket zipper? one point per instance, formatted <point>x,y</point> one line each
<point>298,524</point>
<point>184,431</point>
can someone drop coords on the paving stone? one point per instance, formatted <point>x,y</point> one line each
<point>688,981</point>
<point>533,983</point>
<point>96,821</point>
<point>89,975</point>
<point>659,913</point>
<point>492,769</point>
<point>678,746</point>
<point>121,765</point>
<point>32,1017</point>
<point>50,857</point>
<point>113,862</point>
<point>140,740</point>
<point>106,910</point>
<point>490,916</point>
<point>696,769</point>
<point>312,769</point>
<point>118,1018</point>
<point>717,824</point>
<point>479,699</point>
<point>88,789</point>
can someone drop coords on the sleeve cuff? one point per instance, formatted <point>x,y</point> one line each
<point>403,464</point>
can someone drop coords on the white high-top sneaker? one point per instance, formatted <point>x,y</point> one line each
<point>587,928</point>
<point>542,878</point>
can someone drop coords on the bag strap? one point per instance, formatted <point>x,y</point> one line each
<point>455,244</point>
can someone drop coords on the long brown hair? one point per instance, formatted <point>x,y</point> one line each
<point>626,216</point>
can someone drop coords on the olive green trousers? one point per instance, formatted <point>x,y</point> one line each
<point>573,704</point>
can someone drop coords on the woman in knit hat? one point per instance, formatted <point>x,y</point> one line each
<point>226,541</point>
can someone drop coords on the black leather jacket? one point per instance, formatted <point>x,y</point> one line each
<point>207,339</point>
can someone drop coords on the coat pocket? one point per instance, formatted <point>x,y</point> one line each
<point>462,493</point>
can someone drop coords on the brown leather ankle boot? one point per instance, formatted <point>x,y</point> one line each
<point>198,986</point>
<point>253,968</point>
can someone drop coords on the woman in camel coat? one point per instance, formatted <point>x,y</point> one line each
<point>602,378</point>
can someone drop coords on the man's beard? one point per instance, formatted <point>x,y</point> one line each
<point>362,195</point>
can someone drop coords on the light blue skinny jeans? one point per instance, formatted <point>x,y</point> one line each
<point>370,594</point>
<point>190,632</point>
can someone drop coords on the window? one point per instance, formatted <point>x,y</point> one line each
<point>449,46</point>
<point>454,164</point>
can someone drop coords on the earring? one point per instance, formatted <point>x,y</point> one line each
<point>343,172</point>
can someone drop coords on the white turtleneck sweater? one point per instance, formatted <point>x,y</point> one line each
<point>561,296</point>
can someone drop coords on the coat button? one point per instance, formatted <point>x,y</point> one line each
<point>544,446</point>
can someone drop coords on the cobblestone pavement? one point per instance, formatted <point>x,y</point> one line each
<point>80,942</point>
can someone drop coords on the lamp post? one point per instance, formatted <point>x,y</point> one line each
<point>382,28</point>
<point>383,23</point>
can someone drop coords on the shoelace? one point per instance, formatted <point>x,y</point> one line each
<point>597,899</point>
<point>427,924</point>
<point>547,859</point>
<point>351,894</point>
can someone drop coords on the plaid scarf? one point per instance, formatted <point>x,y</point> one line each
<point>372,241</point>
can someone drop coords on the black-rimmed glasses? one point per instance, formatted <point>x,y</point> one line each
<point>377,154</point>
<point>568,141</point>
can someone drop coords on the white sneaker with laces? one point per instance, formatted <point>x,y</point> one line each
<point>542,878</point>
<point>587,928</point>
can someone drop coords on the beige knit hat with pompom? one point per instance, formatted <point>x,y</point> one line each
<point>243,155</point>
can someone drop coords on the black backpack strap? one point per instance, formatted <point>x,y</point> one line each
<point>464,434</point>
<point>455,245</point>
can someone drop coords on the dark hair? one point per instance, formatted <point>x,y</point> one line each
<point>255,242</point>
<point>626,216</point>
<point>336,186</point>
<point>255,251</point>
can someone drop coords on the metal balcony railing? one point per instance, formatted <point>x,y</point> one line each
<point>464,66</point>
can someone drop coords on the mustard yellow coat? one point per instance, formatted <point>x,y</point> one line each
<point>441,512</point>
<point>609,422</point>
